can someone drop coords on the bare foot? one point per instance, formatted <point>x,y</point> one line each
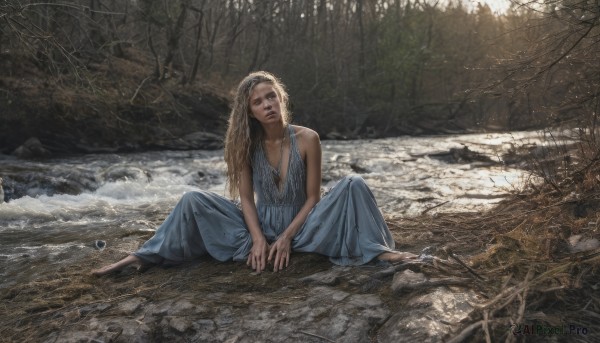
<point>397,256</point>
<point>131,259</point>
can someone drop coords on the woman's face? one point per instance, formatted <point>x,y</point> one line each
<point>265,105</point>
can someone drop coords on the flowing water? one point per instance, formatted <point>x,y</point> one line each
<point>58,208</point>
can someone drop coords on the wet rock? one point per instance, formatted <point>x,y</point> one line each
<point>203,331</point>
<point>578,243</point>
<point>122,173</point>
<point>123,330</point>
<point>128,307</point>
<point>85,310</point>
<point>38,179</point>
<point>160,309</point>
<point>357,168</point>
<point>233,339</point>
<point>84,336</point>
<point>463,155</point>
<point>32,148</point>
<point>179,324</point>
<point>324,314</point>
<point>225,317</point>
<point>406,279</point>
<point>129,330</point>
<point>181,307</point>
<point>367,284</point>
<point>326,278</point>
<point>429,317</point>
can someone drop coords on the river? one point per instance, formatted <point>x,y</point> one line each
<point>58,208</point>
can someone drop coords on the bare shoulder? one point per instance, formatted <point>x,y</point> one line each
<point>306,136</point>
<point>309,143</point>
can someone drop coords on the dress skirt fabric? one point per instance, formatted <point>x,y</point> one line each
<point>201,223</point>
<point>345,225</point>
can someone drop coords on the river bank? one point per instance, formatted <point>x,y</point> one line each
<point>115,104</point>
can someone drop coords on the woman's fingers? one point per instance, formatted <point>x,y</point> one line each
<point>281,259</point>
<point>262,262</point>
<point>258,257</point>
<point>279,255</point>
<point>259,264</point>
<point>276,264</point>
<point>274,251</point>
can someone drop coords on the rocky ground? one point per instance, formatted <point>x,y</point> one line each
<point>311,301</point>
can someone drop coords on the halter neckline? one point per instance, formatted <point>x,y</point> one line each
<point>291,188</point>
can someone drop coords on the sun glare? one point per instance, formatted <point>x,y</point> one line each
<point>497,6</point>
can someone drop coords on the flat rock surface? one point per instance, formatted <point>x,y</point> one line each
<point>208,301</point>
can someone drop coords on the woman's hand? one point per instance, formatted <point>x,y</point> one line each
<point>258,255</point>
<point>279,253</point>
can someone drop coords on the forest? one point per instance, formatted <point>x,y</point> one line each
<point>92,72</point>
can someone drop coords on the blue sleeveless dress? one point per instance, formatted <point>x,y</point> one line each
<point>345,224</point>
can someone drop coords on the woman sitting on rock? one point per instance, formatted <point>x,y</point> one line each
<point>281,164</point>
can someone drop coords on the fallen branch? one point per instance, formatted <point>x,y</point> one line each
<point>432,207</point>
<point>431,283</point>
<point>466,332</point>
<point>138,90</point>
<point>469,269</point>
<point>486,327</point>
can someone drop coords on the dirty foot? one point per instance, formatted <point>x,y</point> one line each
<point>397,256</point>
<point>115,267</point>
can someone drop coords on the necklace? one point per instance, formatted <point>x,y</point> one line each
<point>277,172</point>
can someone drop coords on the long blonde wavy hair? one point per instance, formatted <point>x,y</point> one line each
<point>244,133</point>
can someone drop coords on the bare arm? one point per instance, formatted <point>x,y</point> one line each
<point>258,254</point>
<point>281,249</point>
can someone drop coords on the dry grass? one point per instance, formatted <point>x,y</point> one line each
<point>112,102</point>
